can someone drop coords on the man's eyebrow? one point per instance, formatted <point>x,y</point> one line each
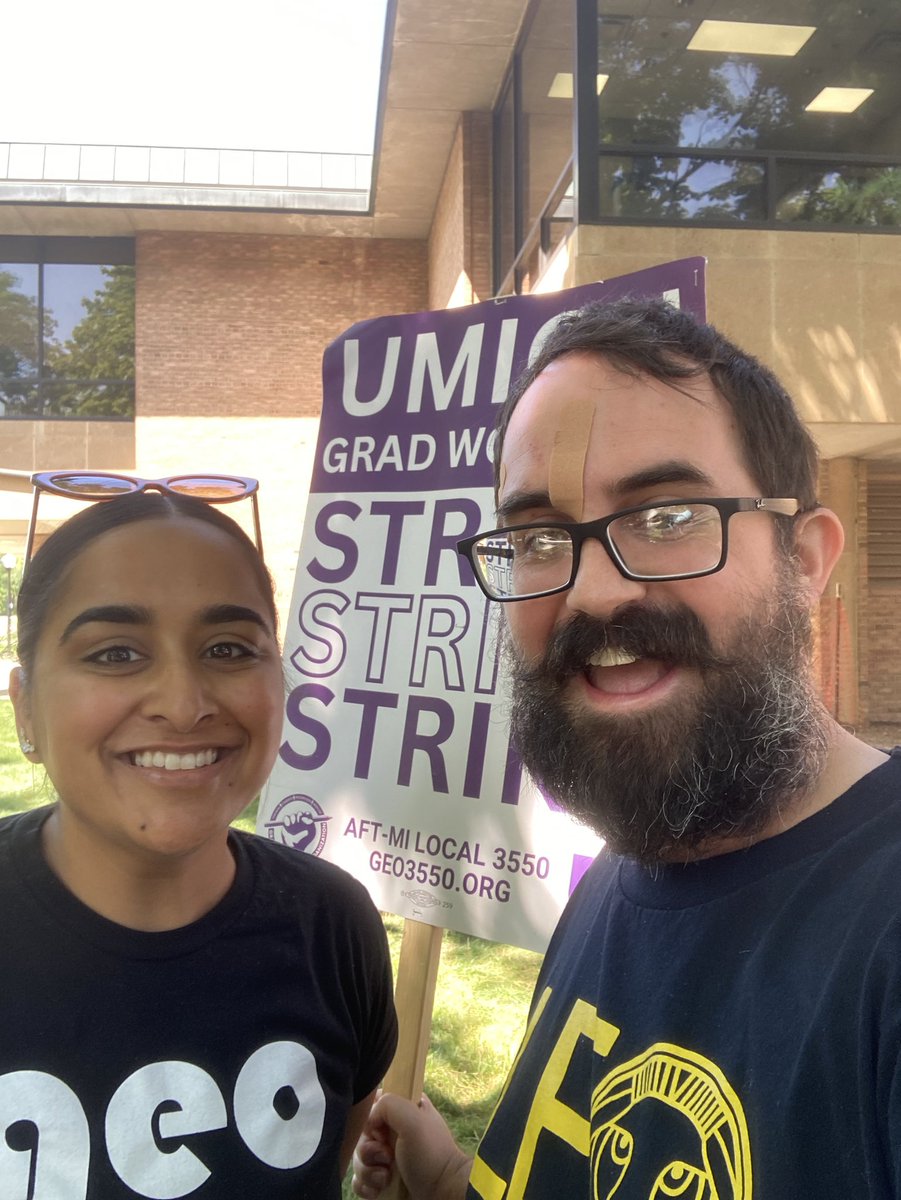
<point>660,474</point>
<point>113,614</point>
<point>225,614</point>
<point>518,502</point>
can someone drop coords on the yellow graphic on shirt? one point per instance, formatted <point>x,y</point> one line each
<point>665,1124</point>
<point>548,1113</point>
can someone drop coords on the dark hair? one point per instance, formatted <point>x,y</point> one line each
<point>656,339</point>
<point>46,570</point>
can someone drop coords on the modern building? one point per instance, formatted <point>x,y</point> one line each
<point>521,146</point>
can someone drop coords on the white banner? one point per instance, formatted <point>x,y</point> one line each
<point>396,761</point>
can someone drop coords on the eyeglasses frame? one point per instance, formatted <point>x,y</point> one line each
<point>581,531</point>
<point>43,481</point>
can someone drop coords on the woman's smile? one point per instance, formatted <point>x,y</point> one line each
<point>157,710</point>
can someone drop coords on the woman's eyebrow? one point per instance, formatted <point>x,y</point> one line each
<point>225,614</point>
<point>128,614</point>
<point>114,614</point>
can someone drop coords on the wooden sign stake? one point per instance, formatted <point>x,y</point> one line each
<point>414,997</point>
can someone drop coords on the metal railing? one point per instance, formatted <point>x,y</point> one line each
<point>252,178</point>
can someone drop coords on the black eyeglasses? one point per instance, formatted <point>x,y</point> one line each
<point>103,485</point>
<point>684,539</point>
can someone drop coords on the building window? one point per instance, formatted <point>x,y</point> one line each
<point>67,328</point>
<point>684,115</point>
<point>533,141</point>
<point>794,123</point>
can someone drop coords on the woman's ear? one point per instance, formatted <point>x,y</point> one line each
<point>819,541</point>
<point>18,694</point>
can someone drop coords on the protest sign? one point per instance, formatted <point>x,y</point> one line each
<point>395,761</point>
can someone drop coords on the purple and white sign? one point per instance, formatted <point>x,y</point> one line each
<point>396,761</point>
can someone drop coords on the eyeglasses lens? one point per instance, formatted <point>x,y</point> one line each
<point>205,488</point>
<point>673,539</point>
<point>93,487</point>
<point>525,562</point>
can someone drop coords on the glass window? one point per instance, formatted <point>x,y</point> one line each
<point>666,89</point>
<point>547,105</point>
<point>637,186</point>
<point>19,341</point>
<point>663,91</point>
<point>67,336</point>
<point>705,112</point>
<point>839,194</point>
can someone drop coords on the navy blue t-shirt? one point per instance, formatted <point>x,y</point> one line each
<point>721,1029</point>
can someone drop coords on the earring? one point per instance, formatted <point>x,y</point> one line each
<point>25,743</point>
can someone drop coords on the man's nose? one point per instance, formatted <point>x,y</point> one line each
<point>600,587</point>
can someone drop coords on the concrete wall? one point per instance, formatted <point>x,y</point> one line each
<point>42,445</point>
<point>822,309</point>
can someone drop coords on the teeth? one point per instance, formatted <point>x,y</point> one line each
<point>612,658</point>
<point>174,762</point>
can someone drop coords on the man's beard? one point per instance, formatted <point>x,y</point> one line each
<point>719,763</point>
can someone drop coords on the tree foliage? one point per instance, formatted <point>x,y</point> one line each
<point>90,374</point>
<point>18,342</point>
<point>98,360</point>
<point>833,200</point>
<point>663,96</point>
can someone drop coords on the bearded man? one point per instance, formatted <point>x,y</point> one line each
<point>718,1013</point>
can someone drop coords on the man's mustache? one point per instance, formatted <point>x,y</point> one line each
<point>673,635</point>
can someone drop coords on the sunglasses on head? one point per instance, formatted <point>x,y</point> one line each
<point>104,485</point>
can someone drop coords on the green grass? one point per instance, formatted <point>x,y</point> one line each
<point>481,999</point>
<point>481,1003</point>
<point>21,785</point>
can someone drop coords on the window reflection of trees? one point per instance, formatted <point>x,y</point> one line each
<point>843,195</point>
<point>663,100</point>
<point>90,372</point>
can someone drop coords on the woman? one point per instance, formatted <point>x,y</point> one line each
<point>186,1010</point>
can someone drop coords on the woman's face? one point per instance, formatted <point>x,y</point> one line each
<point>156,697</point>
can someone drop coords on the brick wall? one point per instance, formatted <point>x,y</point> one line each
<point>460,240</point>
<point>884,659</point>
<point>230,336</point>
<point>478,181</point>
<point>449,283</point>
<point>236,325</point>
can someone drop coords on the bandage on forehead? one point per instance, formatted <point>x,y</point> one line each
<point>566,466</point>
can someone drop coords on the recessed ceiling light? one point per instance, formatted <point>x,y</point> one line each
<point>562,87</point>
<point>750,37</point>
<point>838,99</point>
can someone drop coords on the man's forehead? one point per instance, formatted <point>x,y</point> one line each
<point>555,422</point>
<point>550,430</point>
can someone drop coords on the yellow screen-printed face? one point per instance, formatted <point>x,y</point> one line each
<point>668,1123</point>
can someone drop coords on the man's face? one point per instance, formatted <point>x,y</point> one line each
<point>664,714</point>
